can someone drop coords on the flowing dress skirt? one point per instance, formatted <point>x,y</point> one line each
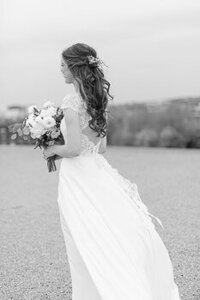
<point>114,251</point>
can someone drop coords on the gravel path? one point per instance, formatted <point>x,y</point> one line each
<point>33,260</point>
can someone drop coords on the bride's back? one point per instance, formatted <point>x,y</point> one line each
<point>90,143</point>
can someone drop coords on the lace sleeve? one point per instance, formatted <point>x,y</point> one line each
<point>71,101</point>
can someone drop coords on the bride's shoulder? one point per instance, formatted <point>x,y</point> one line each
<point>72,101</point>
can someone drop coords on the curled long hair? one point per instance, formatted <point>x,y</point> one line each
<point>94,88</point>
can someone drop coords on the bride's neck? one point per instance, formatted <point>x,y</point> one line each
<point>77,89</point>
<point>76,86</point>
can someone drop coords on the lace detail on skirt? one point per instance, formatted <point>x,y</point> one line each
<point>130,188</point>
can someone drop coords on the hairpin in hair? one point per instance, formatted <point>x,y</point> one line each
<point>95,60</point>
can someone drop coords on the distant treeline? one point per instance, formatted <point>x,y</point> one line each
<point>173,123</point>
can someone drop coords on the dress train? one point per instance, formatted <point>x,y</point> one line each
<point>113,248</point>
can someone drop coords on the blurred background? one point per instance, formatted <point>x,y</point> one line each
<point>151,48</point>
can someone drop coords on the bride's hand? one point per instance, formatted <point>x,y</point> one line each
<point>48,152</point>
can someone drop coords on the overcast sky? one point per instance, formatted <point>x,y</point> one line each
<point>151,47</point>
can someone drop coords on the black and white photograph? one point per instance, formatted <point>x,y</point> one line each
<point>99,150</point>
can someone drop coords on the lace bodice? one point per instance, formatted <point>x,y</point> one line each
<point>75,102</point>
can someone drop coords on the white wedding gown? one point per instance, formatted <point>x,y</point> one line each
<point>113,248</point>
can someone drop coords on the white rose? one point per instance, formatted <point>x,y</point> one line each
<point>48,104</point>
<point>39,120</point>
<point>31,109</point>
<point>37,130</point>
<point>51,111</point>
<point>36,134</point>
<point>44,113</point>
<point>49,122</point>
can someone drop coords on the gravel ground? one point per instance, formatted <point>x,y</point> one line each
<point>33,260</point>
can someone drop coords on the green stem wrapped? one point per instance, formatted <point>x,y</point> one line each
<point>51,165</point>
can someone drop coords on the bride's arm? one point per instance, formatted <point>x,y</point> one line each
<point>56,156</point>
<point>73,137</point>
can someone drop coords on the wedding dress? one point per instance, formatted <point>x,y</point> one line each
<point>113,249</point>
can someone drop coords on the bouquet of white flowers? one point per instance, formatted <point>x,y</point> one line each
<point>42,125</point>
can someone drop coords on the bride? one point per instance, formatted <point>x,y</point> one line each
<point>113,248</point>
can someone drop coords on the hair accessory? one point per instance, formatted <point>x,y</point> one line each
<point>95,60</point>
